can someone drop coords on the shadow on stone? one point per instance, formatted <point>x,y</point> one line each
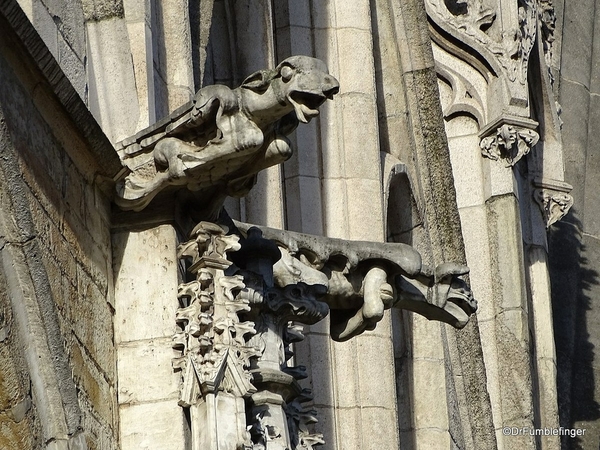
<point>574,283</point>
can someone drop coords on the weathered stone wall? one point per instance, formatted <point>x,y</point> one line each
<point>134,61</point>
<point>56,252</point>
<point>19,422</point>
<point>574,242</point>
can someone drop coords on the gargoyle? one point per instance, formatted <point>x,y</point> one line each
<point>224,136</point>
<point>362,279</point>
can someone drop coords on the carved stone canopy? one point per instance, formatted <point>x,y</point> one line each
<point>224,136</point>
<point>499,36</point>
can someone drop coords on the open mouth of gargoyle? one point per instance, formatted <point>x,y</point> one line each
<point>306,104</point>
<point>460,304</point>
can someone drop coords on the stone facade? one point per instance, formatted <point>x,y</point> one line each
<point>452,140</point>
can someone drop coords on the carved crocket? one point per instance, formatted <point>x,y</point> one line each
<point>224,136</point>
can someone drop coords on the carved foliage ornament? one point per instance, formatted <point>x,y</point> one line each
<point>510,142</point>
<point>237,370</point>
<point>215,355</point>
<point>553,203</point>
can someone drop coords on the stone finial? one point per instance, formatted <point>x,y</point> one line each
<point>508,138</point>
<point>224,136</point>
<point>212,340</point>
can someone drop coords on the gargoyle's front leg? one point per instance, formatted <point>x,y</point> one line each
<point>378,296</point>
<point>166,155</point>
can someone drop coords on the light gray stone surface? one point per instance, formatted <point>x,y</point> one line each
<point>135,61</point>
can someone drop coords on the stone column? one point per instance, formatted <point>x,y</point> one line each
<point>146,275</point>
<point>359,409</point>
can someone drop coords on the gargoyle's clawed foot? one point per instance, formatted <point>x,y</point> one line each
<point>378,295</point>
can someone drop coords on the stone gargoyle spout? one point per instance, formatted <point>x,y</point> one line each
<point>240,316</point>
<point>224,137</point>
<point>363,279</point>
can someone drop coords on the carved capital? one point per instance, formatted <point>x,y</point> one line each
<point>553,199</point>
<point>509,139</point>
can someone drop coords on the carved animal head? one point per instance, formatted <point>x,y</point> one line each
<point>460,303</point>
<point>299,302</point>
<point>307,85</point>
<point>303,82</point>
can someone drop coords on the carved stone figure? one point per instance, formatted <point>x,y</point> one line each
<point>363,279</point>
<point>225,136</point>
<point>240,315</point>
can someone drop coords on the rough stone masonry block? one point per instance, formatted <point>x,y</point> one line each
<point>466,159</point>
<point>349,432</point>
<point>506,248</point>
<point>97,10</point>
<point>320,368</point>
<point>112,94</point>
<point>92,321</point>
<point>429,388</point>
<point>137,384</point>
<point>355,15</point>
<point>377,387</point>
<point>145,267</point>
<point>96,385</point>
<point>323,15</point>
<point>591,222</point>
<point>428,439</point>
<point>575,98</point>
<point>576,52</point>
<point>475,233</point>
<point>356,62</point>
<point>345,370</point>
<point>378,429</point>
<point>364,214</point>
<point>152,426</point>
<point>303,195</point>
